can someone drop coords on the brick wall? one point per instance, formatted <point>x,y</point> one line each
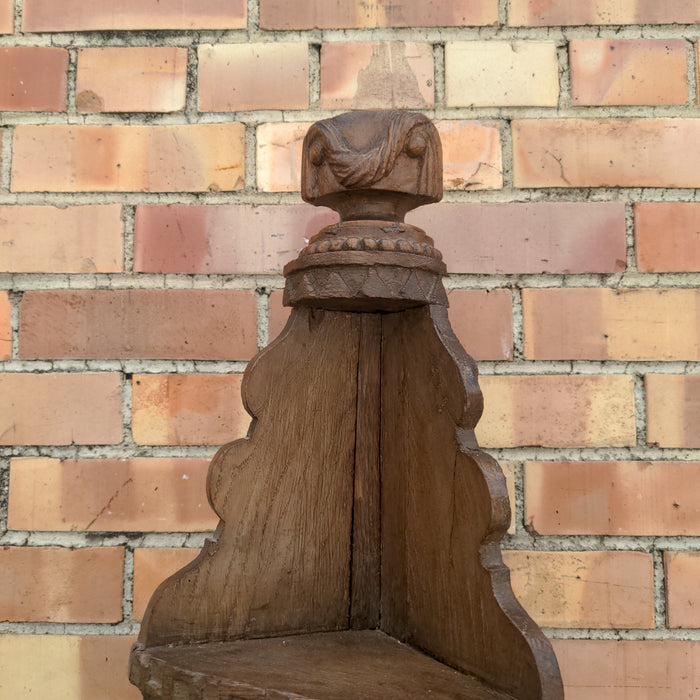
<point>149,168</point>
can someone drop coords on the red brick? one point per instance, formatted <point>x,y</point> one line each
<point>606,669</point>
<point>185,157</point>
<point>7,16</point>
<point>606,152</point>
<point>628,71</point>
<point>188,409</point>
<point>682,591</point>
<point>667,236</point>
<point>279,14</point>
<point>278,314</point>
<point>527,237</point>
<point>60,409</point>
<point>52,239</point>
<point>568,12</point>
<point>77,15</point>
<point>603,498</point>
<point>376,75</point>
<point>198,324</point>
<point>223,239</point>
<point>131,79</point>
<point>600,590</point>
<point>557,410</point>
<point>33,79</point>
<point>151,568</point>
<point>110,495</point>
<point>673,410</point>
<point>56,584</point>
<point>253,76</point>
<point>602,324</point>
<point>5,326</point>
<point>278,157</point>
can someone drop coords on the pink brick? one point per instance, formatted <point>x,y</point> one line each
<point>5,326</point>
<point>559,237</point>
<point>253,76</point>
<point>33,79</point>
<point>278,314</point>
<point>682,590</point>
<point>81,239</point>
<point>77,15</point>
<point>223,239</point>
<point>150,323</point>
<point>606,152</point>
<point>108,495</point>
<point>667,236</point>
<point>131,79</point>
<point>673,410</point>
<point>278,157</point>
<point>603,498</point>
<point>7,16</point>
<point>628,71</point>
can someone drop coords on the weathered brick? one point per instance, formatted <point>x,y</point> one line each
<point>75,667</point>
<point>606,152</point>
<point>131,79</point>
<point>628,71</point>
<point>568,12</point>
<point>620,669</point>
<point>604,498</point>
<point>279,14</point>
<point>601,324</point>
<point>109,495</point>
<point>5,326</point>
<point>188,409</point>
<point>203,324</point>
<point>501,73</point>
<point>77,15</point>
<point>673,410</point>
<point>33,79</point>
<point>278,159</point>
<point>7,16</point>
<point>682,591</point>
<point>527,237</point>
<point>152,567</point>
<point>80,239</point>
<point>667,236</point>
<point>557,411</point>
<point>57,584</point>
<point>253,76</point>
<point>600,590</point>
<point>373,75</point>
<point>188,157</point>
<point>60,409</point>
<point>223,239</point>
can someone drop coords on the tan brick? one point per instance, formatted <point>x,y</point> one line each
<point>57,584</point>
<point>602,324</point>
<point>110,495</point>
<point>471,155</point>
<point>527,237</point>
<point>5,326</point>
<point>189,158</point>
<point>253,76</point>
<point>278,157</point>
<point>603,498</point>
<point>605,669</point>
<point>557,411</point>
<point>188,409</point>
<point>682,590</point>
<point>7,16</point>
<point>364,75</point>
<point>667,236</point>
<point>151,568</point>
<point>600,590</point>
<point>501,73</point>
<point>606,152</point>
<point>628,71</point>
<point>77,15</point>
<point>203,324</point>
<point>131,79</point>
<point>673,410</point>
<point>229,238</point>
<point>33,79</point>
<point>72,667</point>
<point>509,472</point>
<point>278,14</point>
<point>568,12</point>
<point>60,409</point>
<point>52,239</point>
